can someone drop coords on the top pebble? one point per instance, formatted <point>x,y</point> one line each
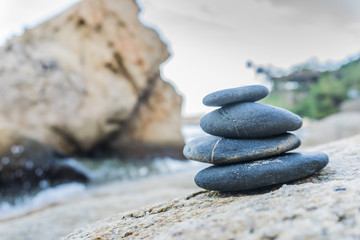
<point>236,95</point>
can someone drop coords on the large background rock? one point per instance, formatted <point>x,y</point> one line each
<point>89,79</point>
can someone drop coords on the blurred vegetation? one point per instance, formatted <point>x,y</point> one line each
<point>312,93</point>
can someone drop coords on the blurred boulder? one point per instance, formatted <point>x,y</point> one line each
<point>352,105</point>
<point>88,81</point>
<point>334,127</point>
<point>26,163</point>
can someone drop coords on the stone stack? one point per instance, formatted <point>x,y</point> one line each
<point>248,143</point>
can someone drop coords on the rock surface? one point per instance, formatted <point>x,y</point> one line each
<point>324,206</point>
<point>82,79</point>
<point>245,176</point>
<point>217,150</point>
<point>249,120</point>
<point>251,93</point>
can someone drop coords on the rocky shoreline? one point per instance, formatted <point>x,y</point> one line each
<point>87,83</point>
<point>324,206</point>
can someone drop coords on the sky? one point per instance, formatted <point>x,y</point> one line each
<point>211,40</point>
<point>15,15</point>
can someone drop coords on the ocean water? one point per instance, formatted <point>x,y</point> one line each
<point>100,173</point>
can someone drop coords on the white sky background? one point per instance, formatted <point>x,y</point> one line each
<point>211,40</point>
<point>15,15</point>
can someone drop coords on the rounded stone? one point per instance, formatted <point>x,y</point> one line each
<point>249,120</point>
<point>262,173</point>
<point>236,95</point>
<point>220,151</point>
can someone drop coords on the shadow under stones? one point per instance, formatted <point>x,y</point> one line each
<point>250,192</point>
<point>316,178</point>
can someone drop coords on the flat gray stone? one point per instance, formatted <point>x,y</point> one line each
<point>218,150</point>
<point>262,173</point>
<point>249,120</point>
<point>236,95</point>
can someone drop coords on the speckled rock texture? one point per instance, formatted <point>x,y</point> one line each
<point>219,151</point>
<point>251,93</point>
<point>325,206</point>
<point>249,120</point>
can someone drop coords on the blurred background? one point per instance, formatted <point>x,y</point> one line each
<point>98,97</point>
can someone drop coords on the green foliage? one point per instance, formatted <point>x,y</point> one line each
<point>275,100</point>
<point>324,98</point>
<point>350,74</point>
<point>319,98</point>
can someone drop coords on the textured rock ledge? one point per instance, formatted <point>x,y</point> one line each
<point>325,206</point>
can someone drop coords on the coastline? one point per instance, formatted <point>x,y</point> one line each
<point>110,198</point>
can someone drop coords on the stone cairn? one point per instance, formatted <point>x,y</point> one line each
<point>248,142</point>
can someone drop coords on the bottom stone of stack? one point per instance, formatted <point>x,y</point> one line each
<point>261,173</point>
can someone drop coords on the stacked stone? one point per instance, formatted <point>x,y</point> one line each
<point>248,143</point>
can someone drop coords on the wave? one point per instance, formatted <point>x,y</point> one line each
<point>100,172</point>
